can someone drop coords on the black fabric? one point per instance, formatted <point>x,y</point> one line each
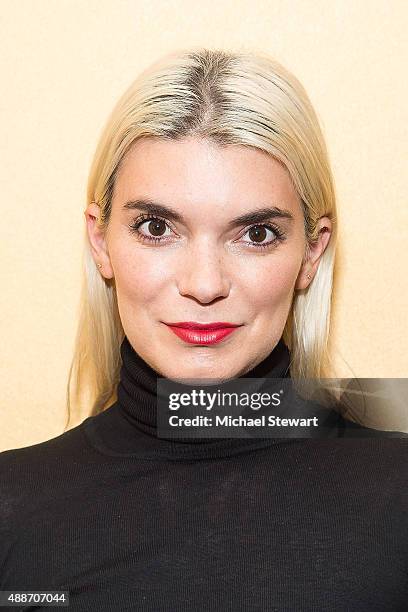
<point>125,520</point>
<point>137,408</point>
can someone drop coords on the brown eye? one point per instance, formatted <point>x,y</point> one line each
<point>257,233</point>
<point>150,229</point>
<point>153,228</point>
<point>264,235</point>
<point>157,227</point>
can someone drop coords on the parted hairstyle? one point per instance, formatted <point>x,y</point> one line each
<point>231,98</point>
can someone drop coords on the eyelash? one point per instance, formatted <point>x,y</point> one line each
<point>134,228</point>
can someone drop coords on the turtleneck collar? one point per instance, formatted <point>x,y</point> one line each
<point>137,394</point>
<point>128,428</point>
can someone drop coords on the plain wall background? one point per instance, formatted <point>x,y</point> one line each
<point>65,63</point>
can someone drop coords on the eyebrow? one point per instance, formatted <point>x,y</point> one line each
<point>254,216</point>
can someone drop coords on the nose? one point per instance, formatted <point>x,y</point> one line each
<point>202,273</point>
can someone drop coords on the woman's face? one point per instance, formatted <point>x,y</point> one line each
<point>203,264</point>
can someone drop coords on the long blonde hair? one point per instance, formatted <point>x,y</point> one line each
<point>243,98</point>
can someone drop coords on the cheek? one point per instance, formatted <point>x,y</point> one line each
<point>270,285</point>
<point>139,277</point>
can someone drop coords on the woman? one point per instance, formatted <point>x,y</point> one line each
<point>211,232</point>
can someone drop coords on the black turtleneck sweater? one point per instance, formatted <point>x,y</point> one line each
<point>125,520</point>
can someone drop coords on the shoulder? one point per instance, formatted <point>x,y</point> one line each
<point>348,428</point>
<point>22,467</point>
<point>64,442</point>
<point>376,444</point>
<point>362,453</point>
<point>367,453</point>
<point>33,475</point>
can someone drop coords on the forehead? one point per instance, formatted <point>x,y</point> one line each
<point>198,176</point>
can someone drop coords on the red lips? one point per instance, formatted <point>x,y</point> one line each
<point>202,333</point>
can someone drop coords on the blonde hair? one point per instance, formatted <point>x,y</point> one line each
<point>240,98</point>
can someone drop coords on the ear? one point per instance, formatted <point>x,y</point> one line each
<point>315,251</point>
<point>97,240</point>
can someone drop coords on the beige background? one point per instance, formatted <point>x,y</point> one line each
<point>65,63</point>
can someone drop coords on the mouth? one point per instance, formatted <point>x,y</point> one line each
<point>202,333</point>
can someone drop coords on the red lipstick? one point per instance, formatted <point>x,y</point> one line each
<point>202,333</point>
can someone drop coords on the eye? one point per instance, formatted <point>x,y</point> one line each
<point>154,228</point>
<point>265,235</point>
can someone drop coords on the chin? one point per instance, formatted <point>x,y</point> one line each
<point>212,371</point>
